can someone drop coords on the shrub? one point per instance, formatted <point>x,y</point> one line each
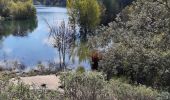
<point>21,91</point>
<point>85,13</point>
<point>81,86</point>
<point>17,9</point>
<point>85,86</point>
<point>123,91</point>
<point>20,10</point>
<point>138,44</point>
<point>92,86</point>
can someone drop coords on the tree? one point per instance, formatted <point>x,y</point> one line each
<point>62,36</point>
<point>85,13</point>
<point>138,44</point>
<point>17,9</point>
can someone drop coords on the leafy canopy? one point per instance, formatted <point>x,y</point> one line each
<point>85,13</point>
<point>138,44</point>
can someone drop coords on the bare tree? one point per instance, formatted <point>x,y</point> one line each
<point>62,34</point>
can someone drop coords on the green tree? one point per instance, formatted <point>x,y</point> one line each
<point>139,44</point>
<point>17,9</point>
<point>85,13</point>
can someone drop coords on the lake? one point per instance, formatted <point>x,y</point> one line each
<point>28,41</point>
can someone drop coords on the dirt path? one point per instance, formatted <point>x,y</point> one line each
<point>51,82</point>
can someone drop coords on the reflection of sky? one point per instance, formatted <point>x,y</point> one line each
<point>35,47</point>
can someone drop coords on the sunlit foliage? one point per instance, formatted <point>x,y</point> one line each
<point>17,9</point>
<point>85,13</point>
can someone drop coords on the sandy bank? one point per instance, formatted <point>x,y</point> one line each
<point>51,82</point>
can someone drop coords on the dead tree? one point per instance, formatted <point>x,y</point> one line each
<point>62,36</point>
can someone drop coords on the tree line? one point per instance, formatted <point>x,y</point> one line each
<point>17,9</point>
<point>88,14</point>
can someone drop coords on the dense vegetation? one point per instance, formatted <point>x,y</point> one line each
<point>17,9</point>
<point>81,85</point>
<point>134,47</point>
<point>138,44</point>
<point>93,86</point>
<point>85,13</point>
<point>88,14</point>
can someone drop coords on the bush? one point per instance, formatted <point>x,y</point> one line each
<point>17,9</point>
<point>21,91</point>
<point>81,86</point>
<point>124,91</point>
<point>85,13</point>
<point>85,86</point>
<point>138,44</point>
<point>92,86</point>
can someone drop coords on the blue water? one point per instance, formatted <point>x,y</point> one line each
<point>28,41</point>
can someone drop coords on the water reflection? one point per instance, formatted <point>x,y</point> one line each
<point>27,42</point>
<point>17,28</point>
<point>81,51</point>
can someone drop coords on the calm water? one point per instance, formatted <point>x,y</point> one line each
<point>28,42</point>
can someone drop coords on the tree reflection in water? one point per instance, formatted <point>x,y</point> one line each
<point>80,51</point>
<point>17,28</point>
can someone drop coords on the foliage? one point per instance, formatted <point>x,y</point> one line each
<point>81,86</point>
<point>138,44</point>
<point>23,92</point>
<point>85,13</point>
<point>93,86</point>
<point>108,8</point>
<point>121,91</point>
<point>17,9</point>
